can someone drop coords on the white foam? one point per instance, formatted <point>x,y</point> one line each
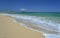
<point>36,20</point>
<point>51,35</point>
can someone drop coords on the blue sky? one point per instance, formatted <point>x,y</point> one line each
<point>31,5</point>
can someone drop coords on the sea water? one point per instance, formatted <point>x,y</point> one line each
<point>50,19</point>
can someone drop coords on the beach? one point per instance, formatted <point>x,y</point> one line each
<point>34,25</point>
<point>10,29</point>
<point>39,24</point>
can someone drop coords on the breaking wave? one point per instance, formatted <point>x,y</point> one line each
<point>38,21</point>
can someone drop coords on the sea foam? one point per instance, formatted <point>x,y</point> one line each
<point>40,21</point>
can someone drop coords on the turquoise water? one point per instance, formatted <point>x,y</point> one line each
<point>54,16</point>
<point>52,19</point>
<point>44,14</point>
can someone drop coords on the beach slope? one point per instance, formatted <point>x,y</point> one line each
<point>10,29</point>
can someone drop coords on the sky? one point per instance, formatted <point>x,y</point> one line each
<point>31,5</point>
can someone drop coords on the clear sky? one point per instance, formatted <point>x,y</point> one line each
<point>31,5</point>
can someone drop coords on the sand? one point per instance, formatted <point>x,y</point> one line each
<point>10,29</point>
<point>35,27</point>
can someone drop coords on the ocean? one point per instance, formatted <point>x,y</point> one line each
<point>46,20</point>
<point>54,16</point>
<point>50,14</point>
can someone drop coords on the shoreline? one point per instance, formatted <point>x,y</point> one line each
<point>14,30</point>
<point>21,24</point>
<point>17,19</point>
<point>33,27</point>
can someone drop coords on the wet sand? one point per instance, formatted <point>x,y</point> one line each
<point>35,26</point>
<point>10,29</point>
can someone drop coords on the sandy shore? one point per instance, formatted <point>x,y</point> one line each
<point>9,29</point>
<point>35,26</point>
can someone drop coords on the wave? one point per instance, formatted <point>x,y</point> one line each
<point>37,21</point>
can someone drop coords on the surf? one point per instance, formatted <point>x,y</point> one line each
<point>41,22</point>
